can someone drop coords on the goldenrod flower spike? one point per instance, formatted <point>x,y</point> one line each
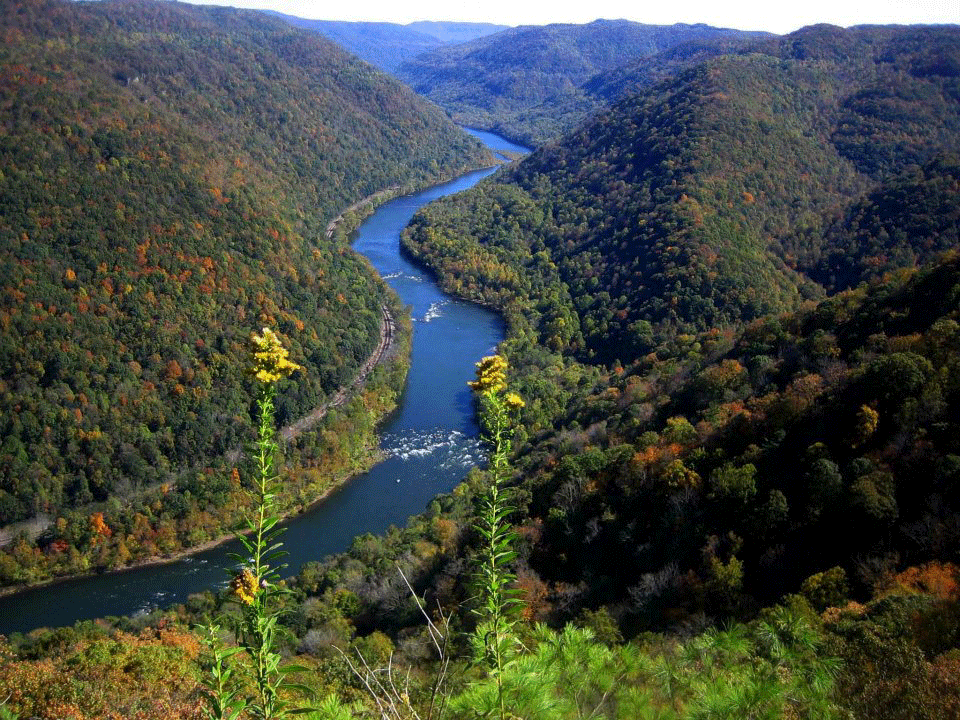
<point>514,401</point>
<point>491,375</point>
<point>270,362</point>
<point>245,586</point>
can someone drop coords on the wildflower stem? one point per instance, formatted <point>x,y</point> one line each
<point>255,587</point>
<point>495,638</point>
<point>266,454</point>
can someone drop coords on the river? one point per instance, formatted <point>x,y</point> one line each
<point>430,442</point>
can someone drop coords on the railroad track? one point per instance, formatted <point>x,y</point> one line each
<point>387,334</point>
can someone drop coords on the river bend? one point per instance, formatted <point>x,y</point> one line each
<point>429,443</point>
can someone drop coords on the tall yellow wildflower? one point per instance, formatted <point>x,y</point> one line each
<point>245,586</point>
<point>513,401</point>
<point>270,361</point>
<point>491,375</point>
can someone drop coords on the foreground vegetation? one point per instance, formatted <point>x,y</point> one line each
<point>816,655</point>
<point>788,662</point>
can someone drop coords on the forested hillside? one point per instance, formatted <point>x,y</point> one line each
<point>742,187</point>
<point>731,469</point>
<point>166,175</point>
<point>560,114</point>
<point>532,83</point>
<point>694,387</point>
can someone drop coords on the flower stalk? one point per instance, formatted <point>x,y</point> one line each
<point>256,585</point>
<point>495,640</point>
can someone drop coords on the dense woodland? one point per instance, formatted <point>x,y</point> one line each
<point>166,176</point>
<point>742,187</point>
<point>733,306</point>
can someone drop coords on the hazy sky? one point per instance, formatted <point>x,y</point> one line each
<point>774,16</point>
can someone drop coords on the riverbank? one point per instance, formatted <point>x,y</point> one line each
<point>350,219</point>
<point>174,557</point>
<point>385,346</point>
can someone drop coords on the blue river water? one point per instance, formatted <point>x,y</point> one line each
<point>429,443</point>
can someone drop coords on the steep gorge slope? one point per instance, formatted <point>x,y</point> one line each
<point>166,174</point>
<point>705,201</point>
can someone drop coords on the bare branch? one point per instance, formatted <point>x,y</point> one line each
<point>431,627</point>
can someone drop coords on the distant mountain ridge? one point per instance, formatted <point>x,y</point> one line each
<point>527,81</point>
<point>388,45</point>
<point>453,32</point>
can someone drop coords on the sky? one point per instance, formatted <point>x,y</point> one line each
<point>773,16</point>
